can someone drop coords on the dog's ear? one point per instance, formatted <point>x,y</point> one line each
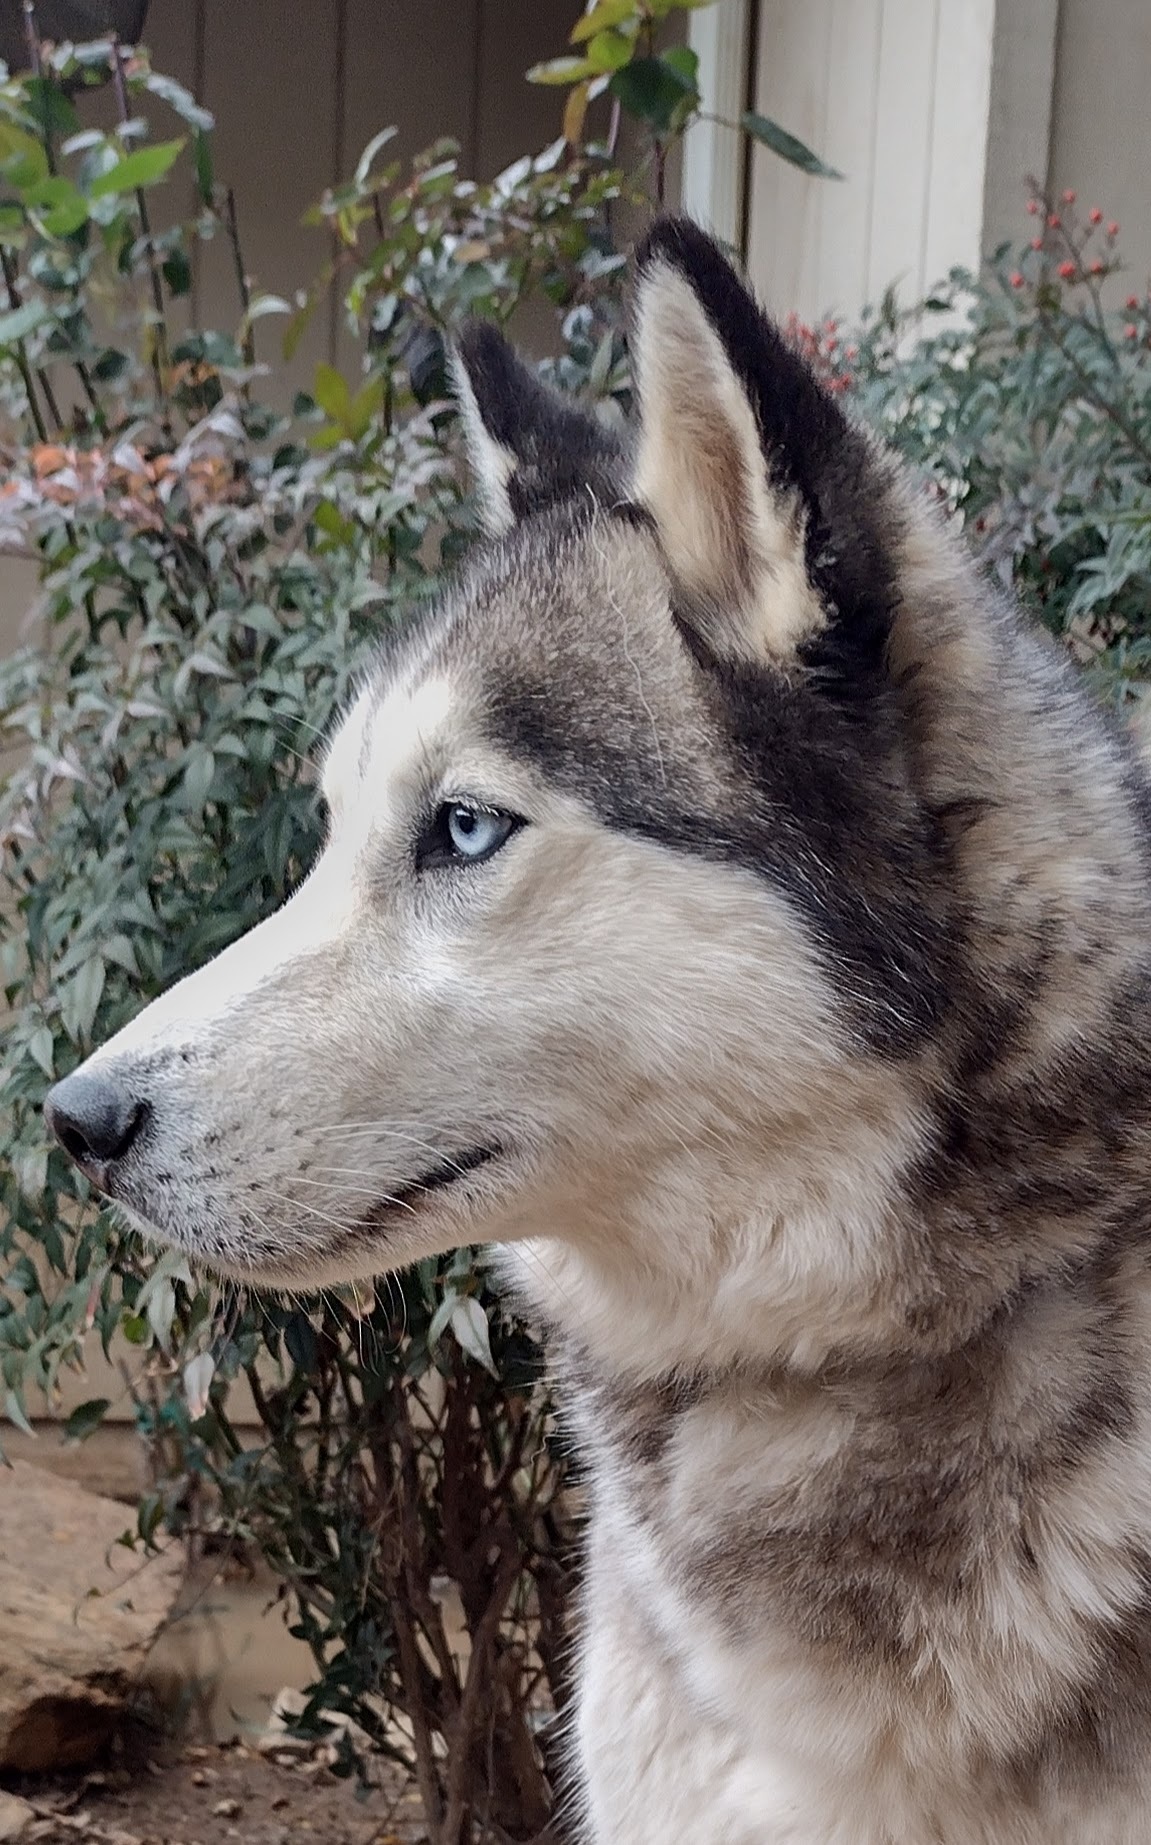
<point>527,447</point>
<point>768,501</point>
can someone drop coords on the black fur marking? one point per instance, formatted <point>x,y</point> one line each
<point>803,797</point>
<point>561,453</point>
<point>811,448</point>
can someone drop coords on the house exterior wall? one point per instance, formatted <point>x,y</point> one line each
<point>937,112</point>
<point>1100,142</point>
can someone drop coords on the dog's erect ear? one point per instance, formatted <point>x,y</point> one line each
<point>767,500</point>
<point>528,448</point>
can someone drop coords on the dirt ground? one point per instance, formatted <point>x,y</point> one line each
<point>225,1794</point>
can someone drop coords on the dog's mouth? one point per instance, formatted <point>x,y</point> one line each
<point>438,1178</point>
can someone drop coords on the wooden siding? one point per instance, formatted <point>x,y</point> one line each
<point>933,109</point>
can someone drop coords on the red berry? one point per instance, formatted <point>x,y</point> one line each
<point>1033,206</point>
<point>1097,267</point>
<point>1037,243</point>
<point>1096,215</point>
<point>1017,280</point>
<point>1069,196</point>
<point>1053,221</point>
<point>1067,270</point>
<point>1131,303</point>
<point>1113,228</point>
<point>1130,332</point>
<point>851,352</point>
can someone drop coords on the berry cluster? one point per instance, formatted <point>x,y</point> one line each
<point>821,346</point>
<point>1077,247</point>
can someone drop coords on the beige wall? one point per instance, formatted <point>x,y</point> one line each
<point>937,111</point>
<point>1100,137</point>
<point>298,91</point>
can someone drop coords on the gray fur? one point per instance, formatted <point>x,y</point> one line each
<point>808,1014</point>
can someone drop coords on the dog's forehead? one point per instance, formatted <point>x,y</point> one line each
<point>557,656</point>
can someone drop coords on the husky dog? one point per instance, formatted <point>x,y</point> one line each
<point>735,912</point>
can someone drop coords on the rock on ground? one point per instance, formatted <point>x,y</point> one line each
<point>78,1612</point>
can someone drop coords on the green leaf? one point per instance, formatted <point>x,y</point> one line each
<point>469,1322</point>
<point>364,163</point>
<point>161,1311</point>
<point>80,997</point>
<point>205,171</point>
<point>609,51</point>
<point>603,17</point>
<point>42,1046</point>
<point>14,1410</point>
<point>22,157</point>
<point>21,321</point>
<point>60,206</point>
<point>143,168</point>
<point>562,70</point>
<point>178,272</point>
<point>331,521</point>
<point>181,100</point>
<point>788,146</point>
<point>654,91</point>
<point>685,62</point>
<point>86,1418</point>
<point>300,1339</point>
<point>197,781</point>
<point>330,391</point>
<point>49,107</point>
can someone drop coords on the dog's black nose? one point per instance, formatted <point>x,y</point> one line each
<point>93,1119</point>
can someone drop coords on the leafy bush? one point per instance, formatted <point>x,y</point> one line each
<point>1031,408</point>
<point>213,568</point>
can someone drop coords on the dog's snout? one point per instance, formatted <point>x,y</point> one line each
<point>94,1120</point>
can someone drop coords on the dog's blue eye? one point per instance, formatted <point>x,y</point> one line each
<point>465,833</point>
<point>475,832</point>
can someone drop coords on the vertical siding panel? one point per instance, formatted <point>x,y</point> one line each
<point>850,146</point>
<point>1099,123</point>
<point>402,72</point>
<point>272,93</point>
<point>904,100</point>
<point>953,230</point>
<point>515,117</point>
<point>792,87</point>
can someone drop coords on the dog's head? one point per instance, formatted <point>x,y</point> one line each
<point>619,925</point>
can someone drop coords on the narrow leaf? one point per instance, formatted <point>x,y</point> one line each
<point>788,146</point>
<point>562,70</point>
<point>86,1418</point>
<point>21,321</point>
<point>599,18</point>
<point>364,163</point>
<point>469,1322</point>
<point>143,168</point>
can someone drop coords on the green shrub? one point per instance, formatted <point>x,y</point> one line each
<point>1031,408</point>
<point>214,565</point>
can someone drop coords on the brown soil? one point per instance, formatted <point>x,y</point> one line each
<point>228,1794</point>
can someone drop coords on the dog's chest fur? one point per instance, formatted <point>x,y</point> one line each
<point>885,1609</point>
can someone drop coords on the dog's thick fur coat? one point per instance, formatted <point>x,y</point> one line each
<point>793,1040</point>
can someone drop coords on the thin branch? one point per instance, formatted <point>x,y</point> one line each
<point>242,280</point>
<point>21,348</point>
<point>160,344</point>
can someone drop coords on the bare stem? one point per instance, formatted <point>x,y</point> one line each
<point>242,283</point>
<point>161,345</point>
